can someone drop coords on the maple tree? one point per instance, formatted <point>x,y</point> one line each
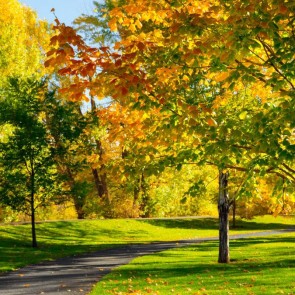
<point>219,73</point>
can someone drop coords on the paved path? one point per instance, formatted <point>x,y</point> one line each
<point>77,275</point>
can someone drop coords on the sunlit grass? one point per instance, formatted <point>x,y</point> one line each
<point>260,266</point>
<point>60,239</point>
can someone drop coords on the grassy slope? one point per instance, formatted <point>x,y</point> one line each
<point>260,266</point>
<point>58,239</point>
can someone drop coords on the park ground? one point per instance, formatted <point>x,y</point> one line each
<point>259,265</point>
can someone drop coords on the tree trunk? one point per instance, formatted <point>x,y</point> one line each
<point>234,213</point>
<point>105,189</point>
<point>100,176</point>
<point>78,203</point>
<point>223,209</point>
<point>101,184</point>
<point>136,192</point>
<point>144,204</point>
<point>34,238</point>
<point>32,203</point>
<point>97,182</point>
<point>79,210</point>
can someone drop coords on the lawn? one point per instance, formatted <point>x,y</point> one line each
<point>60,239</point>
<point>259,266</point>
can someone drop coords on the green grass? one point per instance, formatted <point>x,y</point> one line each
<point>260,266</point>
<point>60,239</point>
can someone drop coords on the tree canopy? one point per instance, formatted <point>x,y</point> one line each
<point>24,40</point>
<point>220,71</point>
<point>214,80</point>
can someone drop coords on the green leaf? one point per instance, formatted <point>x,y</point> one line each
<point>243,115</point>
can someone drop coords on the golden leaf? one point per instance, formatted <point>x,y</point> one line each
<point>220,77</point>
<point>185,78</point>
<point>211,122</point>
<point>113,25</point>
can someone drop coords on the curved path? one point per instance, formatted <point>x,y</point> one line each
<point>77,275</point>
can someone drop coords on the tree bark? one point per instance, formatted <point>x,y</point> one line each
<point>100,180</point>
<point>144,208</point>
<point>65,169</point>
<point>100,176</point>
<point>223,210</point>
<point>32,203</point>
<point>78,203</point>
<point>97,182</point>
<point>136,192</point>
<point>79,210</point>
<point>234,213</point>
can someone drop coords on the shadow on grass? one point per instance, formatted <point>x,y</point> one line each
<point>252,225</point>
<point>18,253</point>
<point>69,232</point>
<point>213,223</point>
<point>202,223</point>
<point>62,239</point>
<point>245,242</point>
<point>177,270</point>
<point>244,262</point>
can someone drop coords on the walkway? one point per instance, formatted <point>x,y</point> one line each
<point>77,275</point>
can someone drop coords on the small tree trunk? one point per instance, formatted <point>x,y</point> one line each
<point>223,209</point>
<point>80,212</point>
<point>34,238</point>
<point>32,203</point>
<point>78,203</point>
<point>136,193</point>
<point>145,198</point>
<point>234,213</point>
<point>100,176</point>
<point>97,182</point>
<point>105,188</point>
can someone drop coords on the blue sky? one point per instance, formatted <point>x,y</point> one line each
<point>66,10</point>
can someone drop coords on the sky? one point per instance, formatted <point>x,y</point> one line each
<point>65,10</point>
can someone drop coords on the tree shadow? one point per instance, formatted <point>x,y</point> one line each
<point>186,223</point>
<point>62,239</point>
<point>178,263</point>
<point>252,225</point>
<point>213,223</point>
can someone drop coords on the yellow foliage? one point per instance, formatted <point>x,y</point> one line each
<point>263,201</point>
<point>23,40</point>
<point>221,76</point>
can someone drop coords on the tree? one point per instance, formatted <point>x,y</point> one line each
<point>268,196</point>
<point>65,126</point>
<point>28,174</point>
<point>23,41</point>
<point>94,27</point>
<point>219,74</point>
